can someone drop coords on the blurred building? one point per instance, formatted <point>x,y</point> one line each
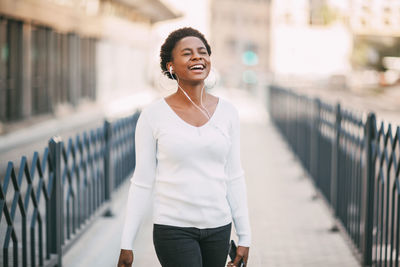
<point>336,40</point>
<point>307,43</point>
<point>374,17</point>
<point>376,29</point>
<point>240,40</point>
<point>59,55</point>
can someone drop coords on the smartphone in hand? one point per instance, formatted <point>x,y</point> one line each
<point>232,253</point>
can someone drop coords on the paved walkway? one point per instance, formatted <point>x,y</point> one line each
<point>290,229</point>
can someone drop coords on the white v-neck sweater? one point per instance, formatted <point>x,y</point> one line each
<point>195,172</point>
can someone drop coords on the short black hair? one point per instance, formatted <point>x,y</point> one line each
<point>170,42</point>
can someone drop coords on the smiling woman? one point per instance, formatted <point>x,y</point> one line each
<point>190,62</point>
<point>187,151</point>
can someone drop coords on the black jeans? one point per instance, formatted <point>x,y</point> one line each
<point>191,247</point>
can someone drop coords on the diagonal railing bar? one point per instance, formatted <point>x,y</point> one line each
<point>36,215</point>
<point>16,203</point>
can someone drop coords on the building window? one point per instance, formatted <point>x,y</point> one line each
<point>62,69</point>
<point>56,66</point>
<point>366,9</point>
<point>10,70</point>
<point>88,54</point>
<point>363,22</point>
<point>387,10</point>
<point>4,54</point>
<point>64,62</point>
<point>40,60</point>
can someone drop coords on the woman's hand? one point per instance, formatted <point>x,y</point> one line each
<point>241,253</point>
<point>125,258</point>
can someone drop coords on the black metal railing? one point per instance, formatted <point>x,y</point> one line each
<point>46,206</point>
<point>123,148</point>
<point>354,164</point>
<point>385,169</point>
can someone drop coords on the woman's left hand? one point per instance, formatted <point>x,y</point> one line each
<point>241,253</point>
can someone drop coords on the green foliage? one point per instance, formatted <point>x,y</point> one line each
<point>368,52</point>
<point>359,56</point>
<point>328,14</point>
<point>324,15</point>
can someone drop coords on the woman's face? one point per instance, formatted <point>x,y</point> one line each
<point>190,59</point>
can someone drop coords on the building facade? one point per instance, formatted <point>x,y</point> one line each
<point>335,39</point>
<point>65,53</point>
<point>240,39</point>
<point>374,17</point>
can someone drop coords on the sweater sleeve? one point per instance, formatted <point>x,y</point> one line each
<point>142,181</point>
<point>236,187</point>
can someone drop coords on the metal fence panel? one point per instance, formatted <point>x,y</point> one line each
<point>351,151</point>
<point>386,223</point>
<point>47,205</point>
<point>23,199</point>
<point>353,163</point>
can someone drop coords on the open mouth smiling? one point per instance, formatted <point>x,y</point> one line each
<point>197,67</point>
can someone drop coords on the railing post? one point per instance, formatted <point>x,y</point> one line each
<point>335,159</point>
<point>268,99</point>
<point>297,138</point>
<point>315,141</point>
<point>108,179</point>
<point>287,116</point>
<point>55,203</point>
<point>369,186</point>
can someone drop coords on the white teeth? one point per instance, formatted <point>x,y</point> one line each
<point>197,67</point>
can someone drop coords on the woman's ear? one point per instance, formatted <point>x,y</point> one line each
<point>170,68</point>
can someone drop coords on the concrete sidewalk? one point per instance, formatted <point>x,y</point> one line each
<point>289,227</point>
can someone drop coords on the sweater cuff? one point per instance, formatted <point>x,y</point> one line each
<point>243,231</point>
<point>126,246</point>
<point>244,241</point>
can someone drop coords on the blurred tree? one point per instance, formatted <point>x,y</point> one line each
<point>321,13</point>
<point>329,14</point>
<point>369,51</point>
<point>359,57</point>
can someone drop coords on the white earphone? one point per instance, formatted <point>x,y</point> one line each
<point>202,108</point>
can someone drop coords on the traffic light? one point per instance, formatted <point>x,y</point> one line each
<point>250,58</point>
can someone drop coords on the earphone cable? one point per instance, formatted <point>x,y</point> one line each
<point>202,109</point>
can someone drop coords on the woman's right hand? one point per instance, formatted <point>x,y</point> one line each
<point>125,258</point>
